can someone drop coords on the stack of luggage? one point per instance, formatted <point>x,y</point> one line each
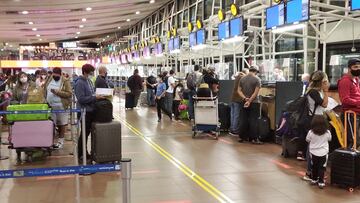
<point>106,134</point>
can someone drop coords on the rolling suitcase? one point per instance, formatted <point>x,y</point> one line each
<point>103,111</point>
<point>224,116</point>
<point>32,134</point>
<point>143,99</point>
<point>106,142</point>
<point>345,163</point>
<point>129,100</point>
<point>28,117</point>
<point>263,125</point>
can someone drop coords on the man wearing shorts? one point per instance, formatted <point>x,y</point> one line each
<point>58,95</point>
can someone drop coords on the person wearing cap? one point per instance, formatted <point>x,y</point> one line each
<point>249,111</point>
<point>58,95</point>
<point>349,92</point>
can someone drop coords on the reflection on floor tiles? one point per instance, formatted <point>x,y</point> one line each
<point>241,171</point>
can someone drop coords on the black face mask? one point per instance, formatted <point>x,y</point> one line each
<point>355,72</point>
<point>56,78</point>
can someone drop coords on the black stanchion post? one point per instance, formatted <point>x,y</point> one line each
<point>126,179</point>
<point>83,125</point>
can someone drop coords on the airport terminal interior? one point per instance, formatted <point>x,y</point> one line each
<point>179,101</point>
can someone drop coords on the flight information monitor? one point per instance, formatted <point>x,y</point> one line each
<point>176,43</point>
<point>297,11</point>
<point>192,39</point>
<point>224,30</point>
<point>171,45</point>
<point>275,16</point>
<point>200,37</point>
<point>355,5</point>
<point>236,27</point>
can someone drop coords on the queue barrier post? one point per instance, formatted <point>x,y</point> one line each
<point>126,172</point>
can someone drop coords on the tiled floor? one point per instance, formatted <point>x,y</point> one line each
<point>242,172</point>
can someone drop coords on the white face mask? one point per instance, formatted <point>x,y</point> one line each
<point>43,77</point>
<point>23,79</point>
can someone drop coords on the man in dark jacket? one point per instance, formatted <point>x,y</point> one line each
<point>85,94</point>
<point>135,85</point>
<point>101,80</point>
<point>349,92</point>
<point>150,88</point>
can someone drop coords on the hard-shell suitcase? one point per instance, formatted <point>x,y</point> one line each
<point>345,163</point>
<point>103,111</point>
<point>290,146</point>
<point>129,100</point>
<point>28,117</point>
<point>106,142</point>
<point>32,134</point>
<point>143,98</point>
<point>263,125</point>
<point>224,116</point>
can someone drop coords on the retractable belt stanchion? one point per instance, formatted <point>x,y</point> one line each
<point>83,127</point>
<point>2,157</point>
<point>126,172</point>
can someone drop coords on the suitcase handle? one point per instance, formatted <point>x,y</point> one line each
<point>353,129</point>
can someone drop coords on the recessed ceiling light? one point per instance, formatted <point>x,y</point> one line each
<point>37,35</point>
<point>6,44</point>
<point>77,33</point>
<point>137,12</point>
<point>103,39</point>
<point>81,26</point>
<point>128,20</point>
<point>40,39</point>
<point>119,27</point>
<point>76,37</point>
<point>34,29</point>
<point>10,45</point>
<point>108,36</point>
<point>25,12</point>
<point>152,1</point>
<point>88,9</point>
<point>84,19</point>
<point>30,23</point>
<point>2,49</point>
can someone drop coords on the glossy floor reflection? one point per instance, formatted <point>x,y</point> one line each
<point>241,171</point>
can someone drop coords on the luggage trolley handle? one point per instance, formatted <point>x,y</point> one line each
<point>353,129</point>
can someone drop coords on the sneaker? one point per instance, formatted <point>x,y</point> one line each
<point>321,185</point>
<point>233,134</point>
<point>300,156</point>
<point>257,141</point>
<point>313,182</point>
<point>58,145</point>
<point>307,177</point>
<point>240,140</point>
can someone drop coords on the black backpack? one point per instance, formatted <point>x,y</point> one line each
<point>299,113</point>
<point>191,81</point>
<point>103,111</point>
<point>166,82</point>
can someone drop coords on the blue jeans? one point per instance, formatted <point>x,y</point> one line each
<point>150,97</point>
<point>191,104</point>
<point>235,117</point>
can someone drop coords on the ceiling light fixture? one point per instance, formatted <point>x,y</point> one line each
<point>34,29</point>
<point>152,1</point>
<point>10,46</point>
<point>88,9</point>
<point>128,20</point>
<point>103,39</point>
<point>40,39</point>
<point>31,23</point>
<point>76,37</point>
<point>25,12</point>
<point>137,12</point>
<point>119,27</point>
<point>77,33</point>
<point>37,35</point>
<point>81,26</point>
<point>84,19</point>
<point>108,36</point>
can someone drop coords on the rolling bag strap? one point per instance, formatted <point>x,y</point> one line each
<point>353,129</point>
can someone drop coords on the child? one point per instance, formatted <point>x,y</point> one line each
<point>160,94</point>
<point>178,90</point>
<point>318,138</point>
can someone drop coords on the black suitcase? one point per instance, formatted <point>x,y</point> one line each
<point>263,126</point>
<point>106,142</point>
<point>345,163</point>
<point>289,146</point>
<point>129,100</point>
<point>103,111</point>
<point>224,116</point>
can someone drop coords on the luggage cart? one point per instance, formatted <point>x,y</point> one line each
<point>206,116</point>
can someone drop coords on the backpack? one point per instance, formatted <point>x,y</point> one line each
<point>191,81</point>
<point>166,82</point>
<point>299,113</point>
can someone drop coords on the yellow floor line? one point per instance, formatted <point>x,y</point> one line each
<point>181,166</point>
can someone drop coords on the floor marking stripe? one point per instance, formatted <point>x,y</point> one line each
<point>181,166</point>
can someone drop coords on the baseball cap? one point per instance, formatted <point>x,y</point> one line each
<point>353,61</point>
<point>254,69</point>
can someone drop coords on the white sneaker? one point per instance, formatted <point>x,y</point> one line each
<point>58,145</point>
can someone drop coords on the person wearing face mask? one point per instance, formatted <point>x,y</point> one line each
<point>86,98</point>
<point>22,88</point>
<point>58,95</point>
<point>349,92</point>
<point>41,79</point>
<point>101,80</point>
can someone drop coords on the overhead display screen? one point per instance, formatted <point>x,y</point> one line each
<point>176,43</point>
<point>200,37</point>
<point>224,30</point>
<point>171,44</point>
<point>236,27</point>
<point>297,11</point>
<point>355,5</point>
<point>192,39</point>
<point>69,44</point>
<point>275,16</point>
